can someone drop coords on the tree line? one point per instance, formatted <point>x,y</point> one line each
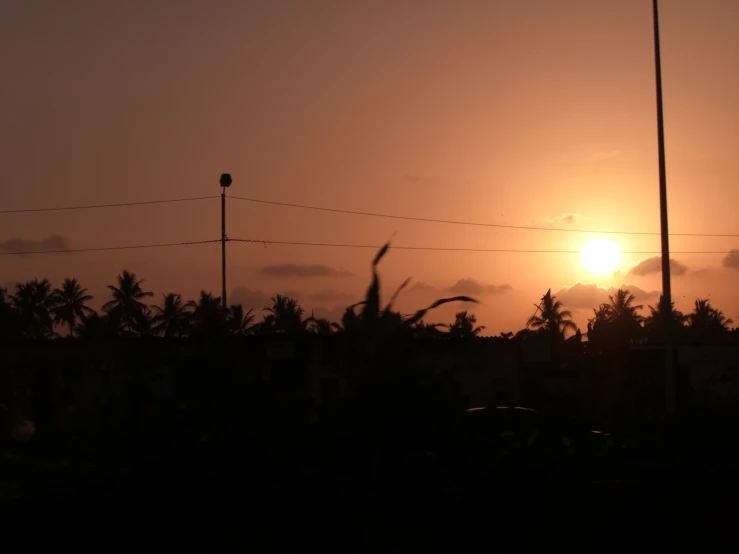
<point>35,310</point>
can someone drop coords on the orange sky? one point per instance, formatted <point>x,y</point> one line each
<point>512,112</point>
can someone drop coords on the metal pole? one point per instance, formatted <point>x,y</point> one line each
<point>666,289</point>
<point>223,248</point>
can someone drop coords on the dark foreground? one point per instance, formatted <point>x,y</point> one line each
<point>339,495</point>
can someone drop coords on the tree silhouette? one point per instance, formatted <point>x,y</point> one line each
<point>423,330</point>
<point>622,306</point>
<point>707,324</point>
<point>322,326</point>
<point>9,320</point>
<point>552,319</point>
<point>127,303</point>
<point>208,317</point>
<point>616,323</point>
<point>97,326</point>
<point>464,326</point>
<point>142,324</point>
<point>285,316</point>
<point>238,322</point>
<point>69,304</point>
<point>173,317</point>
<point>654,323</point>
<point>33,301</point>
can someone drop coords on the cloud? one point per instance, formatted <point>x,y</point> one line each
<point>471,286</point>
<point>586,296</point>
<point>250,299</point>
<point>304,270</point>
<point>562,218</point>
<point>605,155</point>
<point>17,245</point>
<point>329,295</point>
<point>732,259</point>
<point>654,265</point>
<point>422,287</point>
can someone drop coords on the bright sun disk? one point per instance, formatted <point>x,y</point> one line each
<point>600,256</point>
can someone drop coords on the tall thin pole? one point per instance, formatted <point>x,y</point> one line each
<point>223,248</point>
<point>666,288</point>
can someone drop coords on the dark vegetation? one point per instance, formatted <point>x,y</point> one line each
<point>398,463</point>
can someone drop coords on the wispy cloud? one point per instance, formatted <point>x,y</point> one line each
<point>329,295</point>
<point>562,218</point>
<point>472,286</point>
<point>590,295</point>
<point>732,259</point>
<point>422,287</point>
<point>16,244</point>
<point>654,265</point>
<point>605,155</point>
<point>304,270</point>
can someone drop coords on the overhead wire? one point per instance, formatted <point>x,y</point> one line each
<point>470,223</point>
<point>452,249</point>
<point>114,205</point>
<point>103,248</point>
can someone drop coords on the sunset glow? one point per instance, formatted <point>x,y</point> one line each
<point>600,256</point>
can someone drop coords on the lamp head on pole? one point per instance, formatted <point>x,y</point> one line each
<point>225,180</point>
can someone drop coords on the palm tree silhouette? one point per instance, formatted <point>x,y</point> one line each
<point>97,326</point>
<point>9,324</point>
<point>208,318</point>
<point>285,316</point>
<point>69,304</point>
<point>622,306</point>
<point>238,322</point>
<point>707,324</point>
<point>616,323</point>
<point>173,317</point>
<point>654,323</point>
<point>464,326</point>
<point>142,323</point>
<point>126,303</point>
<point>33,301</point>
<point>552,319</point>
<point>322,326</point>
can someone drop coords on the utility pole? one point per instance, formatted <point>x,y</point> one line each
<point>225,183</point>
<point>666,288</point>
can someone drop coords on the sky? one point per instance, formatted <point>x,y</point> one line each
<point>524,113</point>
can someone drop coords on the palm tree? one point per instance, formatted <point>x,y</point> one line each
<point>238,322</point>
<point>70,304</point>
<point>208,317</point>
<point>97,326</point>
<point>142,323</point>
<point>285,316</point>
<point>172,318</point>
<point>706,323</point>
<point>622,306</point>
<point>464,326</point>
<point>654,323</point>
<point>616,323</point>
<point>9,328</point>
<point>322,326</point>
<point>553,318</point>
<point>33,301</point>
<point>127,299</point>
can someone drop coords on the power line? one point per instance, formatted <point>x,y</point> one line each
<point>443,249</point>
<point>470,223</point>
<point>71,250</point>
<point>116,205</point>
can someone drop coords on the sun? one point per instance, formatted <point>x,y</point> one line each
<point>600,256</point>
